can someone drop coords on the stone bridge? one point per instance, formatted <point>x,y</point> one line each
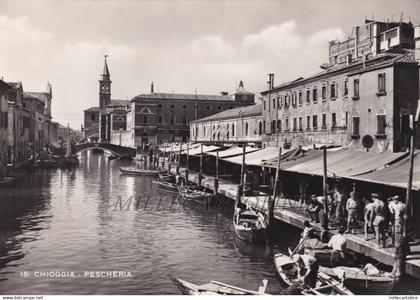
<point>117,150</point>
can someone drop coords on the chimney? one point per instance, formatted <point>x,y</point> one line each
<point>356,43</point>
<point>270,82</point>
<point>152,89</point>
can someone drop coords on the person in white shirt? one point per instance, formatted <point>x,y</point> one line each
<point>338,243</point>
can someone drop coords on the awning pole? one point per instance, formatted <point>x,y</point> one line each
<point>325,202</point>
<point>188,162</point>
<point>164,155</point>
<point>241,186</point>
<point>200,175</point>
<point>170,158</point>
<point>216,180</point>
<point>179,159</point>
<point>409,200</point>
<point>272,200</point>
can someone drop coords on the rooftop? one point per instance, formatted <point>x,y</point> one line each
<point>245,111</point>
<point>170,96</point>
<point>15,85</point>
<point>119,102</point>
<point>44,97</point>
<point>93,108</point>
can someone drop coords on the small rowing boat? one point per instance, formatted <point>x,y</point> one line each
<point>171,188</point>
<point>139,172</point>
<point>249,225</point>
<point>326,285</point>
<point>368,279</point>
<point>193,194</point>
<point>7,181</point>
<point>214,288</point>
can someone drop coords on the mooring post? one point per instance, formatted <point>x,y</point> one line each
<point>216,179</point>
<point>200,175</point>
<point>241,186</point>
<point>164,156</point>
<point>324,225</point>
<point>272,200</point>
<point>170,157</point>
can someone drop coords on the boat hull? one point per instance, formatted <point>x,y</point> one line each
<point>139,172</point>
<point>251,235</point>
<point>167,187</point>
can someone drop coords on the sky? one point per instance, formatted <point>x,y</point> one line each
<point>182,46</point>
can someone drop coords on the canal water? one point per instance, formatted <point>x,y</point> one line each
<point>57,228</point>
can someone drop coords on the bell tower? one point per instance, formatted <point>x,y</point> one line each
<point>104,87</point>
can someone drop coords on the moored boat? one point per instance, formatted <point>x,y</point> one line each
<point>326,285</point>
<point>7,181</point>
<point>139,172</point>
<point>193,194</point>
<point>368,279</point>
<point>168,187</point>
<point>213,288</point>
<point>249,225</point>
<point>325,257</point>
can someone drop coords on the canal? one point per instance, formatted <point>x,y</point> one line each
<point>65,223</point>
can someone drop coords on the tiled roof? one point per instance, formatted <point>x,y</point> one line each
<point>41,96</point>
<point>15,85</point>
<point>380,60</point>
<point>169,96</point>
<point>94,108</point>
<point>119,102</point>
<point>244,111</point>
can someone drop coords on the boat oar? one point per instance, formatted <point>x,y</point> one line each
<point>298,246</point>
<point>237,288</point>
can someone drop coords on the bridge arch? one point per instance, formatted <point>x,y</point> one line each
<point>117,150</point>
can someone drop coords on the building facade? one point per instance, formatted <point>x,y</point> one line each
<point>237,125</point>
<point>362,98</point>
<point>155,118</point>
<point>4,87</point>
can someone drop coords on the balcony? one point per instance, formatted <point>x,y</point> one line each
<point>381,93</point>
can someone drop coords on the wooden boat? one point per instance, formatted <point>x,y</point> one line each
<point>139,172</point>
<point>326,285</point>
<point>214,288</point>
<point>191,193</point>
<point>165,176</point>
<point>249,225</point>
<point>374,282</point>
<point>167,187</point>
<point>325,257</point>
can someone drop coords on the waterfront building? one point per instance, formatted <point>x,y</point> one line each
<point>237,125</point>
<point>363,97</point>
<point>4,87</point>
<point>156,118</point>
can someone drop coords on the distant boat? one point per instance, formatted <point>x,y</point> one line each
<point>249,225</point>
<point>169,187</point>
<point>380,283</point>
<point>213,288</point>
<point>139,172</point>
<point>326,285</point>
<point>7,181</point>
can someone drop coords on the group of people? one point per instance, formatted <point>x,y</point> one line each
<point>348,211</point>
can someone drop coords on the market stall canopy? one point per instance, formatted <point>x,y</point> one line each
<point>197,150</point>
<point>256,158</point>
<point>396,174</point>
<point>234,151</point>
<point>175,147</point>
<point>341,163</point>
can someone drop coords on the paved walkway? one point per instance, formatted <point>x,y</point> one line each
<point>294,213</point>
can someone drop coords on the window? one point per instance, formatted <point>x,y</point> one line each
<point>287,124</point>
<point>300,124</point>
<point>278,102</point>
<point>184,120</point>
<point>315,94</point>
<point>308,122</point>
<point>172,106</point>
<point>324,92</point>
<point>294,124</point>
<point>204,131</point>
<point>274,103</point>
<point>159,105</point>
<point>279,125</point>
<point>233,129</point>
<point>92,117</point>
<point>281,101</point>
<point>333,91</point>
<point>260,128</point>
<point>172,119</point>
<point>264,106</point>
<point>356,89</point>
<point>300,97</point>
<point>286,100</point>
<point>333,120</point>
<point>219,108</point>
<point>208,107</point>
<point>381,84</point>
<point>308,96</point>
<point>315,122</point>
<point>356,126</point>
<point>145,119</point>
<point>346,119</point>
<point>324,121</point>
<point>273,126</point>
<point>346,88</point>
<point>381,122</point>
<point>246,129</point>
<point>264,126</point>
<point>160,119</point>
<point>184,106</point>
